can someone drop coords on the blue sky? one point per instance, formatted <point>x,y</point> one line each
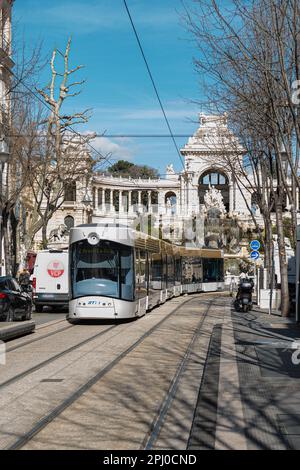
<point>117,87</point>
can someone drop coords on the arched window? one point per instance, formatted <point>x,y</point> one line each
<point>69,222</point>
<point>70,191</point>
<point>217,179</point>
<point>170,202</point>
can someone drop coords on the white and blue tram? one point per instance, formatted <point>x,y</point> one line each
<point>117,272</point>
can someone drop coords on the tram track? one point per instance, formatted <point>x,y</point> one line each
<point>74,396</point>
<point>158,421</point>
<point>40,338</point>
<point>51,359</point>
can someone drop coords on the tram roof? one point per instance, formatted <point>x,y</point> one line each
<point>125,235</point>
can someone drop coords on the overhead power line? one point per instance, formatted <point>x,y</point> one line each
<point>153,82</point>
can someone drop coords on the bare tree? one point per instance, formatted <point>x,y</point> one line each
<point>62,152</point>
<point>250,53</point>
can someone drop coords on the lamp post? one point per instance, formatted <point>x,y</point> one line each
<point>4,156</point>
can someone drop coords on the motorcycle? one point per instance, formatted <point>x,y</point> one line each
<point>243,301</point>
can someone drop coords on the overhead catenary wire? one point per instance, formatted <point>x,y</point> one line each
<point>152,81</point>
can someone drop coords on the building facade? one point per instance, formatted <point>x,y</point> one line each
<point>6,66</point>
<point>206,181</point>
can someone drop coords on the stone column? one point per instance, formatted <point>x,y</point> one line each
<point>121,209</point>
<point>129,201</point>
<point>232,202</point>
<point>96,199</point>
<point>111,201</point>
<point>103,200</point>
<point>149,202</point>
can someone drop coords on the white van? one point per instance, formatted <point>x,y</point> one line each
<point>50,279</point>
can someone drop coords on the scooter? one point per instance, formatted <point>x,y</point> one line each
<point>243,301</point>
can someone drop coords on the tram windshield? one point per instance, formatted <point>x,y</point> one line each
<point>104,269</point>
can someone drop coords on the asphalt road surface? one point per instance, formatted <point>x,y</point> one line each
<point>48,315</point>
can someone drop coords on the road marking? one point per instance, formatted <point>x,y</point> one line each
<point>230,429</point>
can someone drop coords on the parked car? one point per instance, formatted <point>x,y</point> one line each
<point>15,304</point>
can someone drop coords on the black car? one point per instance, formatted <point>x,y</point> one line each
<point>15,304</point>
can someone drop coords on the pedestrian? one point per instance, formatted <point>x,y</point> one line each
<point>24,278</point>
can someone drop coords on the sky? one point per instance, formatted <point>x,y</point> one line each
<point>118,88</point>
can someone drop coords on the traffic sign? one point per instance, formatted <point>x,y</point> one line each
<point>255,255</point>
<point>255,245</point>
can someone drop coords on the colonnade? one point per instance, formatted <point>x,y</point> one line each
<point>109,200</point>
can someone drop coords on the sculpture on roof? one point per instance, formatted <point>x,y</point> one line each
<point>170,170</point>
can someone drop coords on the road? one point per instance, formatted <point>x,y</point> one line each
<point>190,375</point>
<point>48,315</point>
<point>107,385</point>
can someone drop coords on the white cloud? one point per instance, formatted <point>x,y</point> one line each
<point>113,150</point>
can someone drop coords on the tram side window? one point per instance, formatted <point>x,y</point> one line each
<point>221,270</point>
<point>191,270</point>
<point>164,272</point>
<point>143,273</point>
<point>186,271</point>
<point>137,272</point>
<point>126,275</point>
<point>197,270</point>
<point>156,272</point>
<point>171,271</point>
<point>178,271</point>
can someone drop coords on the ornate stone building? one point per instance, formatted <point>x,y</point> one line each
<point>205,182</point>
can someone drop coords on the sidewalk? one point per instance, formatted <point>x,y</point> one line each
<point>11,330</point>
<point>251,382</point>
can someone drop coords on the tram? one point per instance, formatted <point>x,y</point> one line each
<point>117,272</point>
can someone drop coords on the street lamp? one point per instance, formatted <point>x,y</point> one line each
<point>4,156</point>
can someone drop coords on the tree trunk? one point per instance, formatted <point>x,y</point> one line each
<point>44,234</point>
<point>14,244</point>
<point>6,246</point>
<point>282,261</point>
<point>268,247</point>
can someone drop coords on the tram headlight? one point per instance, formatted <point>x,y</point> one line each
<point>93,238</point>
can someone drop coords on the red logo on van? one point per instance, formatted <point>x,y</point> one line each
<point>55,269</point>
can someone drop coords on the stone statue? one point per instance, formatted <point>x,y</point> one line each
<point>59,234</point>
<point>170,170</point>
<point>213,199</point>
<point>169,206</point>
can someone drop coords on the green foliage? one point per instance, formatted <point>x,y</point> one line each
<point>128,169</point>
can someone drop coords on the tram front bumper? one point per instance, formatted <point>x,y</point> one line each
<point>92,308</point>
